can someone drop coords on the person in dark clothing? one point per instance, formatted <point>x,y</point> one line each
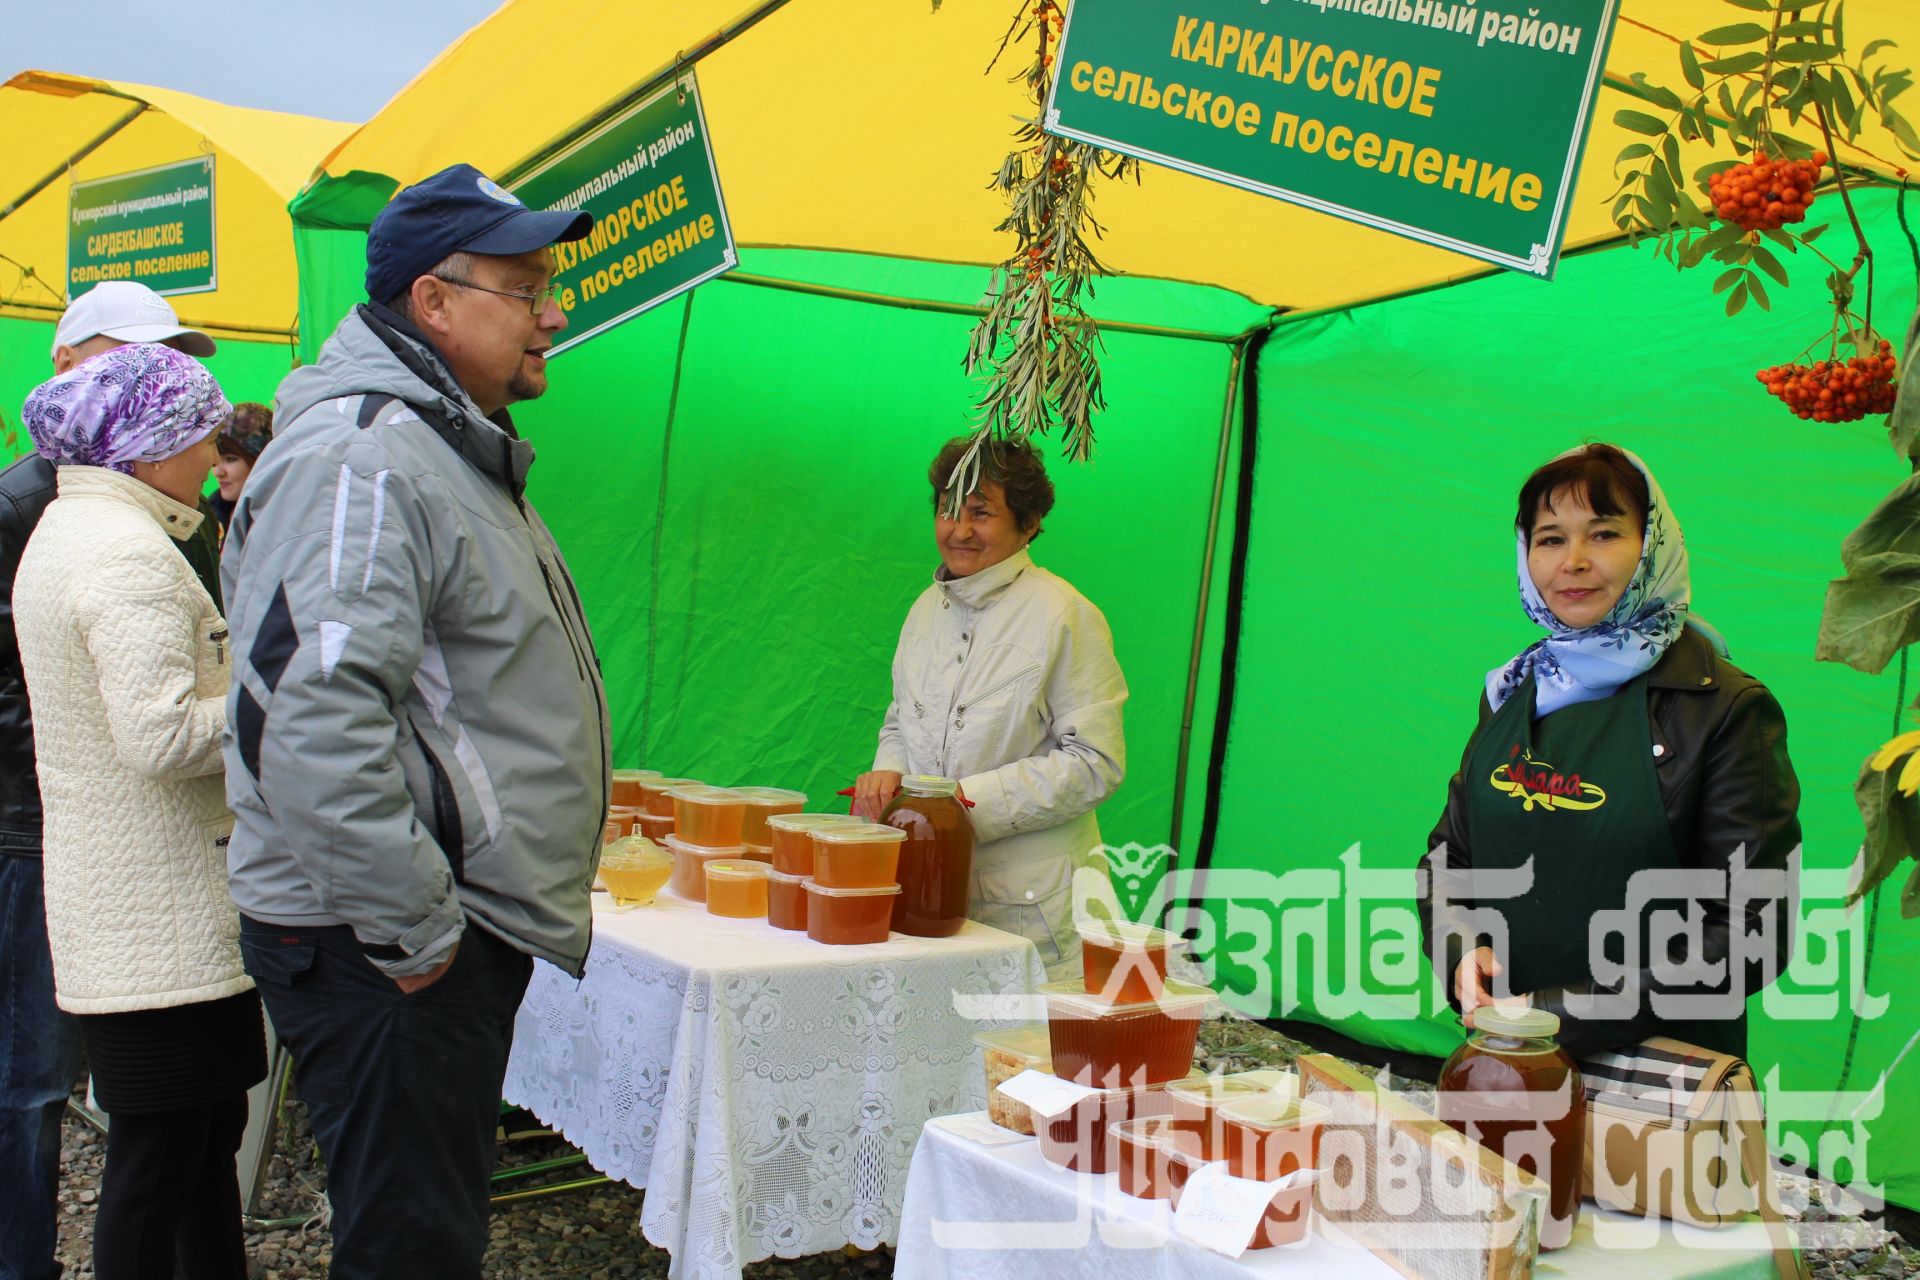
<point>1617,846</point>
<point>40,1054</point>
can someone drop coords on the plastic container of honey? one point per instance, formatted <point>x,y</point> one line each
<point>759,853</point>
<point>1102,1044</point>
<point>626,786</point>
<point>623,816</point>
<point>1078,1138</point>
<point>1125,963</point>
<point>1288,1215</point>
<point>786,901</point>
<point>791,835</point>
<point>633,869</point>
<point>1514,1090</point>
<point>711,817</point>
<point>1272,1136</point>
<point>610,832</point>
<point>653,826</point>
<point>841,915</point>
<point>1183,1161</point>
<point>653,793</point>
<point>764,803</point>
<point>866,856</point>
<point>1141,1148</point>
<point>690,861</point>
<point>737,888</point>
<point>1196,1104</point>
<point>1006,1054</point>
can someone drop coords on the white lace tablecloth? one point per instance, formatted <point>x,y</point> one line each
<point>766,1090</point>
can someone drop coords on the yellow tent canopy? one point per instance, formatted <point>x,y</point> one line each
<point>839,124</point>
<point>62,128</point>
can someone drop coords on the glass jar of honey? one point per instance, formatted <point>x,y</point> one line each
<point>936,859</point>
<point>1515,1091</point>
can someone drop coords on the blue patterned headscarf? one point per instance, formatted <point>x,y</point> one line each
<point>139,403</point>
<point>1585,664</point>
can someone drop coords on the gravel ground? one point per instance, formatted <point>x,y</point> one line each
<point>594,1234</point>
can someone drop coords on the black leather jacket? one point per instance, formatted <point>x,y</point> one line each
<point>26,487</point>
<point>1720,749</point>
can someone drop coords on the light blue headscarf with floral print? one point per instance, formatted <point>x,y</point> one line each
<point>1585,664</point>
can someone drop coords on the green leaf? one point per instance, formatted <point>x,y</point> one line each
<point>1738,298</point>
<point>1690,65</point>
<point>1875,46</point>
<point>1670,148</point>
<point>1755,288</point>
<point>1639,122</point>
<point>1736,65</point>
<point>1910,897</point>
<point>1889,538</point>
<point>1869,619</point>
<point>1737,33</point>
<point>1903,425</point>
<point>1660,188</point>
<point>1814,233</point>
<point>1632,151</point>
<point>1727,279</point>
<point>1757,6</point>
<point>1704,174</point>
<point>1721,236</point>
<point>1806,51</point>
<point>1893,831</point>
<point>1804,27</point>
<point>1770,264</point>
<point>1782,239</point>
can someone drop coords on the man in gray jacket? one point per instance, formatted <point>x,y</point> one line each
<point>418,756</point>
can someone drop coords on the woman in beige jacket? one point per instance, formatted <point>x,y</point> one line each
<point>127,666</point>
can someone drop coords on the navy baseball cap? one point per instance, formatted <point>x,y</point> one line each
<point>457,209</point>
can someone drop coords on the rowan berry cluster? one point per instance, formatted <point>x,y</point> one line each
<point>1766,192</point>
<point>1835,390</point>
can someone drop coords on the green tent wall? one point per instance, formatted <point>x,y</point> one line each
<point>738,482</point>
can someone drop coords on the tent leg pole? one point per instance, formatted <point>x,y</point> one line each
<point>1206,593</point>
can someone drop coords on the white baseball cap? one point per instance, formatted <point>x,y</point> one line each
<point>130,312</point>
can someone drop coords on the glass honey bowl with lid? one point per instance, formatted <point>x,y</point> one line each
<point>1515,1091</point>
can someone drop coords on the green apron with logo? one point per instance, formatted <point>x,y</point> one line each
<point>1576,792</point>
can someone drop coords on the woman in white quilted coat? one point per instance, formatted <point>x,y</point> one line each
<point>126,665</point>
<point>1005,680</point>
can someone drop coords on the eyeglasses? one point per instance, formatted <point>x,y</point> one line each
<point>537,303</point>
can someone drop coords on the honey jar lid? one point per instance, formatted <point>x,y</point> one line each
<point>809,821</point>
<point>1240,1087</point>
<point>772,795</point>
<point>1124,935</point>
<point>814,886</point>
<point>737,869</point>
<point>1033,1043</point>
<point>1515,1020</point>
<point>929,784</point>
<point>682,849</point>
<point>667,784</point>
<point>700,793</point>
<point>633,851</point>
<point>1275,1111</point>
<point>634,775</point>
<point>1180,1000</point>
<point>785,878</point>
<point>861,833</point>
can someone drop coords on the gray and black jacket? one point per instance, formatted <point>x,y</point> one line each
<point>418,730</point>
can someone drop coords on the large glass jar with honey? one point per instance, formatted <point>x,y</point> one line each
<point>936,861</point>
<point>1514,1090</point>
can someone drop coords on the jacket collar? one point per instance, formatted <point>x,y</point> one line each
<point>1689,663</point>
<point>979,590</point>
<point>178,519</point>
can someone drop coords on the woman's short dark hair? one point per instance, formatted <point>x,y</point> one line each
<point>1602,474</point>
<point>1014,465</point>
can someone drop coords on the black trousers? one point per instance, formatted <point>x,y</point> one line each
<point>170,1194</point>
<point>403,1091</point>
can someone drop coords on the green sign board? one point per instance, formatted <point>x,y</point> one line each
<point>151,226</point>
<point>1456,124</point>
<point>659,224</point>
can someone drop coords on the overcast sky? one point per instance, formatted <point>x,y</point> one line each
<point>341,59</point>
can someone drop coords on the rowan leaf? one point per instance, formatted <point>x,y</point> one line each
<point>1639,122</point>
<point>1736,33</point>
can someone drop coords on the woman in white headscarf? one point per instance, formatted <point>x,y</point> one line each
<point>127,665</point>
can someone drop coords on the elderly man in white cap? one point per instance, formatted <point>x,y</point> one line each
<point>40,1045</point>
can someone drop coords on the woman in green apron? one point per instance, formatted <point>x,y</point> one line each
<point>1615,845</point>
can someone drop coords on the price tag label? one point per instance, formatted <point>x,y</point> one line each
<point>1045,1094</point>
<point>1221,1212</point>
